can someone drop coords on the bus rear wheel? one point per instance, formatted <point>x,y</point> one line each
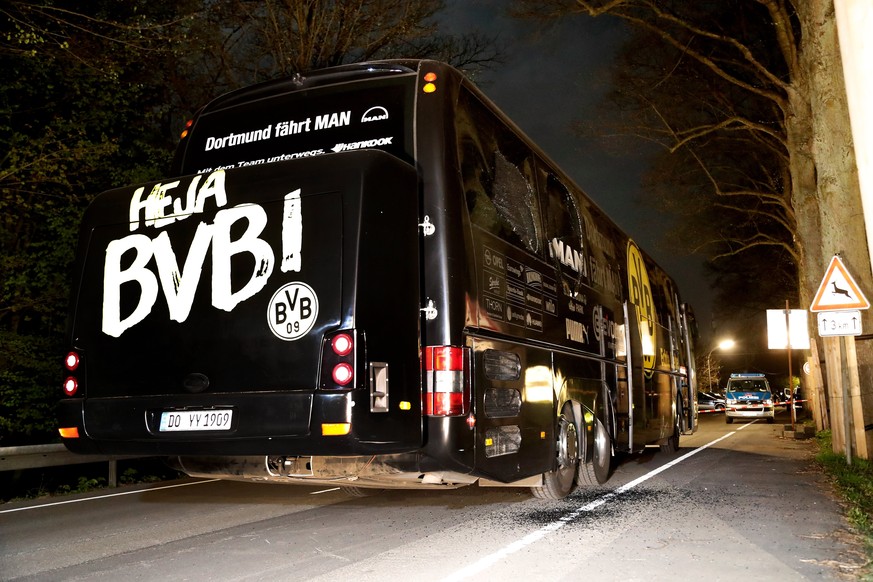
<point>561,481</point>
<point>597,471</point>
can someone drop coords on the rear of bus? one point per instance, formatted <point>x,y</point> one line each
<point>265,300</point>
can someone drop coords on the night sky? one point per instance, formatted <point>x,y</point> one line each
<point>550,79</point>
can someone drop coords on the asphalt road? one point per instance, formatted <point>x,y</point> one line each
<point>737,502</point>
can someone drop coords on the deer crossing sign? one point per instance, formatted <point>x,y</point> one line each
<point>838,290</point>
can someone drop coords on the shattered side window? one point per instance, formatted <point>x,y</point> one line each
<point>563,218</point>
<point>497,171</point>
<point>564,226</point>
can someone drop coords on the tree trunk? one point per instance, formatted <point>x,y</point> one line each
<point>840,219</point>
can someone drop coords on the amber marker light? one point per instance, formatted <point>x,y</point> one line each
<point>188,125</point>
<point>335,428</point>
<point>71,432</point>
<point>429,85</point>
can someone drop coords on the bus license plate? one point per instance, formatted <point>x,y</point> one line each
<point>189,420</point>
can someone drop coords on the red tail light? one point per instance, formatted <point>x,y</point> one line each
<point>71,386</point>
<point>72,363</point>
<point>342,344</point>
<point>343,374</point>
<point>338,360</point>
<point>447,386</point>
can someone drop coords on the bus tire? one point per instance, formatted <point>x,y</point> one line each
<point>729,419</point>
<point>597,471</point>
<point>671,445</point>
<point>560,482</point>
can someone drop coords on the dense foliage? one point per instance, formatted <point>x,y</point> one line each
<point>78,114</point>
<point>93,96</point>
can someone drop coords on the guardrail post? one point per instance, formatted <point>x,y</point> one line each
<point>56,455</point>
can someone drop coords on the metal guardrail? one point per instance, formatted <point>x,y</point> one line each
<point>55,455</point>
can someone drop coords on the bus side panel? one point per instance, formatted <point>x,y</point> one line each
<point>515,410</point>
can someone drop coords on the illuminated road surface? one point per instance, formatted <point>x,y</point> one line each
<point>736,502</point>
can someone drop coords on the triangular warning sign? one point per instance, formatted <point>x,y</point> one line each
<point>838,290</point>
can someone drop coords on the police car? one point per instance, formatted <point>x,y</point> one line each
<point>748,395</point>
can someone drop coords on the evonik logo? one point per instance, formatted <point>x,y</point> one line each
<point>377,113</point>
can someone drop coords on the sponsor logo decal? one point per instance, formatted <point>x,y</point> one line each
<point>292,311</point>
<point>377,113</point>
<point>357,145</point>
<point>641,296</point>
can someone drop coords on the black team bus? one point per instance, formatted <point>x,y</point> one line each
<point>367,276</point>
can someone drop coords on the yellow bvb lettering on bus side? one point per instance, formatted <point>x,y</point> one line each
<point>640,291</point>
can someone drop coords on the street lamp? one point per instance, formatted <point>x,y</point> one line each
<point>723,345</point>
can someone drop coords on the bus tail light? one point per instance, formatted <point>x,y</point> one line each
<point>342,374</point>
<point>338,360</point>
<point>447,385</point>
<point>72,363</point>
<point>71,386</point>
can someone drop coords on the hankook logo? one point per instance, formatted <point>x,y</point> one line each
<point>377,113</point>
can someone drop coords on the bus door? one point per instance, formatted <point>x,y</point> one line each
<point>643,428</point>
<point>687,330</point>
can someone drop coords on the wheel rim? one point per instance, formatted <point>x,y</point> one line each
<point>568,451</point>
<point>601,444</point>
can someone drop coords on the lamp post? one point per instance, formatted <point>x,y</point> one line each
<point>723,345</point>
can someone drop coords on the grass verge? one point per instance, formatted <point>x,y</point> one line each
<point>854,483</point>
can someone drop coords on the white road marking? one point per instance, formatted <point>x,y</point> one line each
<point>108,495</point>
<point>493,558</point>
<point>324,491</point>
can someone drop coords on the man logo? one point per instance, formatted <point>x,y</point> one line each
<point>377,113</point>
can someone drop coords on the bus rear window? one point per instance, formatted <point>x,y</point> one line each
<point>290,124</point>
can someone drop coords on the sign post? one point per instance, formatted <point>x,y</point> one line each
<point>787,329</point>
<point>838,302</point>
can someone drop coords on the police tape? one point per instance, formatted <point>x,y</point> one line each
<point>755,407</point>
